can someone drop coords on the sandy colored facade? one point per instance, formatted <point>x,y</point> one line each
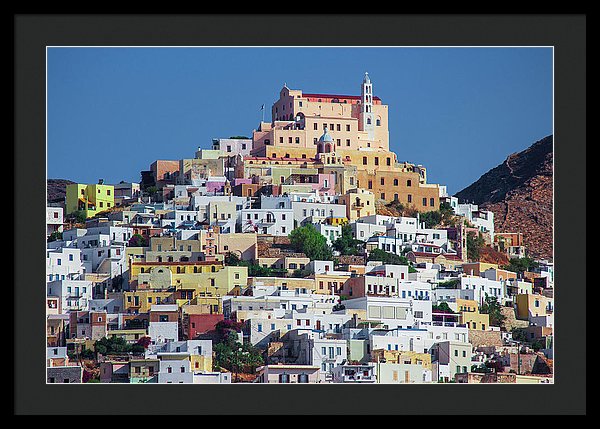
<point>533,305</point>
<point>241,245</point>
<point>289,283</point>
<point>323,130</point>
<point>359,202</point>
<point>140,301</point>
<point>470,315</point>
<point>476,268</point>
<point>399,356</point>
<point>289,263</point>
<point>328,284</point>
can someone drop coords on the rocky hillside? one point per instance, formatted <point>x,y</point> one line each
<point>57,189</point>
<point>519,192</point>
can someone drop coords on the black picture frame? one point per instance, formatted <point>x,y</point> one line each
<point>32,33</point>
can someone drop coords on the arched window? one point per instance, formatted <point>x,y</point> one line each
<point>378,122</point>
<point>368,121</point>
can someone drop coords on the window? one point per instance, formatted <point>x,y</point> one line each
<point>376,160</point>
<point>382,181</point>
<point>316,126</point>
<point>409,198</point>
<point>259,327</point>
<point>425,201</point>
<point>455,352</point>
<point>409,183</point>
<point>432,202</point>
<point>364,160</point>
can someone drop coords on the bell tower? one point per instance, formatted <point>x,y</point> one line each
<point>367,118</point>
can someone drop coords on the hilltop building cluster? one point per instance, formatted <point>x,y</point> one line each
<point>193,275</point>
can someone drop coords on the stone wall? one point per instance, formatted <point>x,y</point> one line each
<point>511,319</point>
<point>485,338</point>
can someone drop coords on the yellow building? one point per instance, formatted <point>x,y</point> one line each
<point>359,202</point>
<point>470,315</point>
<point>533,305</point>
<point>286,283</point>
<point>90,199</point>
<point>194,283</point>
<point>201,363</point>
<point>399,356</point>
<point>141,300</point>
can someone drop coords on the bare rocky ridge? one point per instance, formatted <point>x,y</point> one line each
<point>57,189</point>
<point>520,193</point>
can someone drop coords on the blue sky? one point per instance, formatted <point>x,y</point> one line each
<point>457,111</point>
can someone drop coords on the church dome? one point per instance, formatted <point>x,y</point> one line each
<point>325,137</point>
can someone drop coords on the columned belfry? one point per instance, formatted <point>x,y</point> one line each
<point>367,119</point>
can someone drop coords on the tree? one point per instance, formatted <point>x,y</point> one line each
<point>77,216</point>
<point>442,307</point>
<point>520,265</point>
<point>231,354</point>
<point>347,244</point>
<point>474,245</point>
<point>144,342</point>
<point>117,345</point>
<point>390,258</point>
<point>520,335</point>
<point>300,273</point>
<point>138,240</point>
<point>239,137</point>
<point>431,219</point>
<point>311,242</point>
<point>492,307</point>
<point>56,235</point>
<point>232,259</point>
<point>87,354</point>
<point>256,270</point>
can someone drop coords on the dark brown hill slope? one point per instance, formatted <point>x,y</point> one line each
<point>57,189</point>
<point>520,193</point>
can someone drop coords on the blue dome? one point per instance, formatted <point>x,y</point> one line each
<point>325,137</point>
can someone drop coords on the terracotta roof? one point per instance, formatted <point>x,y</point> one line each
<point>349,97</point>
<point>435,255</point>
<point>179,263</point>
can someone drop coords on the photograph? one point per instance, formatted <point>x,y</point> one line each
<point>300,214</point>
